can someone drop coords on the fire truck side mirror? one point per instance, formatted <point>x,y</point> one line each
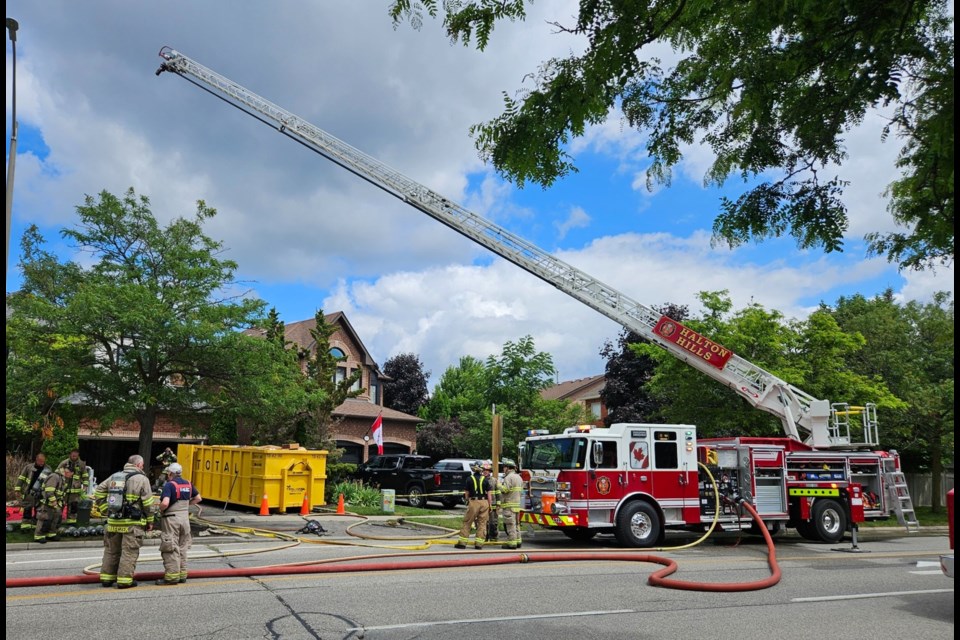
<point>597,453</point>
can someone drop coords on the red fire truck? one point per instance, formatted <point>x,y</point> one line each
<point>638,480</point>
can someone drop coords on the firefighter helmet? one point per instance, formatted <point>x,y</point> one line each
<point>507,463</point>
<point>175,468</point>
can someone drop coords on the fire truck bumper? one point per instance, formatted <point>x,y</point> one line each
<point>548,520</point>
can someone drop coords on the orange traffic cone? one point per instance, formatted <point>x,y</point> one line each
<point>264,507</point>
<point>305,507</point>
<point>340,510</point>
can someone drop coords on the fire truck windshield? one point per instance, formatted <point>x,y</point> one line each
<point>561,453</point>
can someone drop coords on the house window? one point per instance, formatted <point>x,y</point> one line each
<point>374,388</point>
<point>340,375</point>
<point>595,409</point>
<point>356,384</point>
<point>337,353</point>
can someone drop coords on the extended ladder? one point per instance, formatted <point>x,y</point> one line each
<point>796,409</point>
<point>899,496</point>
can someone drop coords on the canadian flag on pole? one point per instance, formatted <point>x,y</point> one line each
<point>377,429</point>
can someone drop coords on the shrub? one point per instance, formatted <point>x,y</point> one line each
<point>354,493</point>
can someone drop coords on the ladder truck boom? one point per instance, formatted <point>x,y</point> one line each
<point>805,418</point>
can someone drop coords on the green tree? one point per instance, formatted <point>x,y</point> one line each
<point>813,355</point>
<point>406,390</point>
<point>461,395</point>
<point>325,388</point>
<point>461,390</point>
<point>150,327</point>
<point>440,439</point>
<point>260,405</point>
<point>626,374</point>
<point>511,382</point>
<point>910,346</point>
<point>772,88</point>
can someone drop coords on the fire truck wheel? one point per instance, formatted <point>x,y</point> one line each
<point>807,532</point>
<point>638,525</point>
<point>416,498</point>
<point>829,520</point>
<point>579,534</point>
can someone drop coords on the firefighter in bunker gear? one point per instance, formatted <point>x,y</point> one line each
<point>510,490</point>
<point>78,486</point>
<point>175,499</point>
<point>166,458</point>
<point>123,535</point>
<point>29,489</point>
<point>51,504</point>
<point>478,494</point>
<point>493,523</point>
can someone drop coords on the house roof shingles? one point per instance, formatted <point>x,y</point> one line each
<point>568,388</point>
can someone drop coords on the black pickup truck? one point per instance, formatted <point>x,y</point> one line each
<point>414,479</point>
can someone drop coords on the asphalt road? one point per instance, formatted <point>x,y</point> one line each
<point>889,586</point>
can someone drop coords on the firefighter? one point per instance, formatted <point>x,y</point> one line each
<point>478,494</point>
<point>175,499</point>
<point>126,522</point>
<point>493,522</point>
<point>166,458</point>
<point>78,486</point>
<point>29,489</point>
<point>510,489</point>
<point>55,491</point>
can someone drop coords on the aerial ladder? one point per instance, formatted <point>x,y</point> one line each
<point>817,423</point>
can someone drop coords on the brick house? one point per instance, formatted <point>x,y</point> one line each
<point>107,451</point>
<point>584,392</point>
<point>356,415</point>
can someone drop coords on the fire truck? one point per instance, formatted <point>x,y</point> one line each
<point>638,480</point>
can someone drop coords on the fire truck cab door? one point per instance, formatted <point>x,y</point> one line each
<point>639,467</point>
<point>606,482</point>
<point>670,464</point>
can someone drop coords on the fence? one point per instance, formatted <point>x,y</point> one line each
<point>921,488</point>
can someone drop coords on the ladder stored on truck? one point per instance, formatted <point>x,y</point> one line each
<point>899,496</point>
<point>796,409</point>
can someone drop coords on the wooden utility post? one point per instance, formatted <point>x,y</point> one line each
<point>497,444</point>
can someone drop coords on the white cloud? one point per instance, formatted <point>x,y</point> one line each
<point>298,223</point>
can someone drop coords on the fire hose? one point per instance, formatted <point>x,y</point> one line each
<point>387,563</point>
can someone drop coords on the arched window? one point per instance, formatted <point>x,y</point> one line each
<point>337,353</point>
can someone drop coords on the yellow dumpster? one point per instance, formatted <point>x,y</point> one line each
<point>256,476</point>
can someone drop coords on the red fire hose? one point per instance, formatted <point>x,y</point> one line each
<point>357,565</point>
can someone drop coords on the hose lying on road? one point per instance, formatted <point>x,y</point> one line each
<point>486,558</point>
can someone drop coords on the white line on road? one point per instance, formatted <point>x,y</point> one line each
<point>862,596</point>
<point>572,614</point>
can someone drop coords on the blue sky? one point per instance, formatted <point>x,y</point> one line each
<point>309,235</point>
